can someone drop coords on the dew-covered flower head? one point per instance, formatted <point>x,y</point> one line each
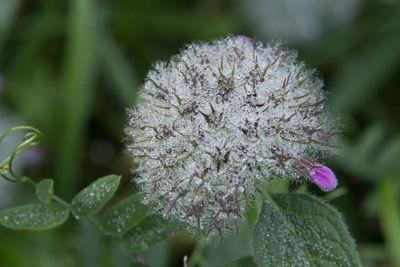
<point>217,119</point>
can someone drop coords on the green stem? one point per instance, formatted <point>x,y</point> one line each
<point>38,133</point>
<point>8,179</point>
<point>390,217</point>
<point>197,257</point>
<point>78,77</point>
<point>335,194</point>
<point>61,201</point>
<point>31,138</point>
<point>27,180</point>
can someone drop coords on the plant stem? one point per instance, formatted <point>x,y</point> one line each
<point>78,74</point>
<point>389,217</point>
<point>197,257</point>
<point>61,201</point>
<point>28,180</point>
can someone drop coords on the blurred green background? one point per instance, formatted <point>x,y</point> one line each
<point>72,68</point>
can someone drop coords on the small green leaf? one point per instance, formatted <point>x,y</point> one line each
<point>254,210</point>
<point>37,216</point>
<point>149,232</point>
<point>243,262</point>
<point>91,199</point>
<point>45,190</point>
<point>124,215</point>
<point>300,230</point>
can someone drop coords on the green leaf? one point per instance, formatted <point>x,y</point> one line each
<point>300,230</point>
<point>149,232</point>
<point>243,262</point>
<point>91,199</point>
<point>37,216</point>
<point>45,190</point>
<point>124,215</point>
<point>254,210</point>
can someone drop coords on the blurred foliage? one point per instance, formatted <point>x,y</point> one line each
<point>71,68</point>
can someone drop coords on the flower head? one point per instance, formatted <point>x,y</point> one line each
<point>219,117</point>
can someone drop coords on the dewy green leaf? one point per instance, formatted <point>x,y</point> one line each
<point>124,215</point>
<point>299,230</point>
<point>91,199</point>
<point>149,232</point>
<point>37,216</point>
<point>45,190</point>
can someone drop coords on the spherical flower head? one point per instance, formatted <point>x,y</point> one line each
<point>217,119</point>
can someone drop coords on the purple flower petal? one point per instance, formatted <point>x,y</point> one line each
<point>323,177</point>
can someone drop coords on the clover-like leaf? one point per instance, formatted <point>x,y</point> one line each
<point>45,190</point>
<point>36,216</point>
<point>149,232</point>
<point>91,199</point>
<point>124,215</point>
<point>300,230</point>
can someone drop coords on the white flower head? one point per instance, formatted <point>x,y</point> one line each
<point>219,117</point>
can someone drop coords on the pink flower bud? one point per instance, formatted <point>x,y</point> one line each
<point>323,177</point>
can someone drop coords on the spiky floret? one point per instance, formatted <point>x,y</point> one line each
<point>219,117</point>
